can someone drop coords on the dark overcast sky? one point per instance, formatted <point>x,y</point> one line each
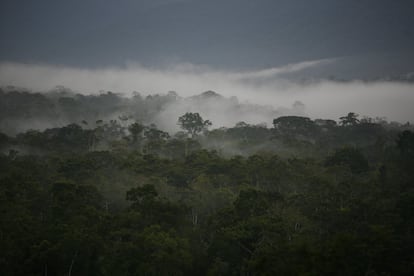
<point>219,33</point>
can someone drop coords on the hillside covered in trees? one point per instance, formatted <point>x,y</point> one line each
<point>104,185</point>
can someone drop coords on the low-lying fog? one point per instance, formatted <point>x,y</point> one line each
<point>321,98</point>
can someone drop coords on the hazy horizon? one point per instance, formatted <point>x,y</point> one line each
<point>323,98</point>
<point>333,56</point>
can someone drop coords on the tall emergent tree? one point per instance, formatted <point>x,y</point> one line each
<point>136,130</point>
<point>349,120</point>
<point>193,123</point>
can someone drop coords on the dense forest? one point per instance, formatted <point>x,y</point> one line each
<point>98,185</point>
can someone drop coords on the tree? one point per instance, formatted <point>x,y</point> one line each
<point>349,157</point>
<point>142,195</point>
<point>405,142</point>
<point>136,129</point>
<point>349,120</point>
<point>295,126</point>
<point>193,123</point>
<point>155,139</point>
<point>293,123</point>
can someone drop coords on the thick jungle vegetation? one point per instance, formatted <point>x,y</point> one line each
<point>103,195</point>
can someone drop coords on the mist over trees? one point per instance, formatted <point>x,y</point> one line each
<point>191,137</point>
<point>101,185</point>
<point>21,110</point>
<point>193,123</point>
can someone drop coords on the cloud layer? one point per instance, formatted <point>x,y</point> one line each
<point>323,99</point>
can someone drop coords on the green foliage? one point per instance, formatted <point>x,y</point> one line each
<point>142,195</point>
<point>119,199</point>
<point>193,123</point>
<point>405,143</point>
<point>136,129</point>
<point>292,123</point>
<point>349,157</point>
